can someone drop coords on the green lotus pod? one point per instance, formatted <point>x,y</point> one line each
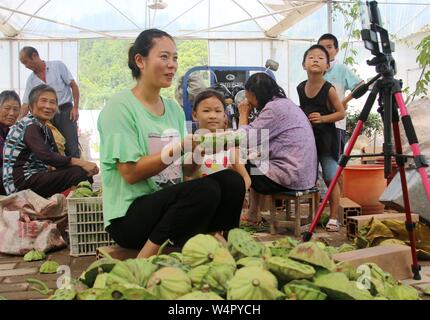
<point>196,274</point>
<point>49,267</point>
<point>330,250</point>
<point>390,242</point>
<point>212,142</point>
<point>378,278</point>
<point>280,251</point>
<point>168,261</point>
<point>347,269</point>
<point>242,244</point>
<point>200,249</point>
<point>309,252</point>
<point>119,292</point>
<point>427,290</point>
<point>266,252</point>
<point>402,292</point>
<point>90,294</point>
<point>286,242</point>
<point>85,184</point>
<point>200,295</point>
<point>169,283</point>
<point>34,255</point>
<point>63,294</point>
<point>138,294</point>
<point>83,192</point>
<point>223,257</point>
<point>218,276</point>
<point>253,283</point>
<point>286,269</point>
<point>346,248</point>
<point>251,262</point>
<point>101,281</point>
<point>303,290</point>
<point>131,271</point>
<point>338,287</point>
<point>320,244</point>
<point>88,277</point>
<point>177,255</point>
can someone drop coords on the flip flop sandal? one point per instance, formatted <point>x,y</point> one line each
<point>332,226</point>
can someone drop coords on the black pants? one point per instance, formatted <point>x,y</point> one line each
<point>68,129</point>
<point>179,212</point>
<point>47,184</point>
<point>262,184</point>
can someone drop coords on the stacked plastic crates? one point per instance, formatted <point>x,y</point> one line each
<point>86,228</point>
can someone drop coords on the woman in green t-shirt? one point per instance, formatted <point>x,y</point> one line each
<point>142,139</point>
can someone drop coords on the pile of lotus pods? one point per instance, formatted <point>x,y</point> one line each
<point>244,269</point>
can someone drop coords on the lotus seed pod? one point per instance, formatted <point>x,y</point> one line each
<point>218,276</point>
<point>85,184</point>
<point>223,257</point>
<point>200,295</point>
<point>402,292</point>
<point>34,255</point>
<point>251,262</point>
<point>132,271</point>
<point>100,266</point>
<point>169,283</point>
<point>346,248</point>
<point>309,252</point>
<point>63,294</point>
<point>253,283</point>
<point>286,269</point>
<point>286,242</point>
<point>338,287</point>
<point>49,267</point>
<point>280,251</point>
<point>196,274</point>
<point>90,294</point>
<point>242,244</point>
<point>347,269</point>
<point>303,290</point>
<point>200,250</point>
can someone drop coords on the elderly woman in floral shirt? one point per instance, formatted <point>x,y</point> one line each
<point>10,105</point>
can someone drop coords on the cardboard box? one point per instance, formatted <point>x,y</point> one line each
<point>395,259</point>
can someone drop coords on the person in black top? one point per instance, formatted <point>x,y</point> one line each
<point>319,101</point>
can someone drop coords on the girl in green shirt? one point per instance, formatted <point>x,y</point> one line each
<point>142,140</point>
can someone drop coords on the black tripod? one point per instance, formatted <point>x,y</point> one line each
<point>388,89</point>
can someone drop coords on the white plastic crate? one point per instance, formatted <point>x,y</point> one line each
<point>86,228</point>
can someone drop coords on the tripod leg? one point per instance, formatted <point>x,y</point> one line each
<point>343,160</point>
<point>420,160</point>
<point>410,226</point>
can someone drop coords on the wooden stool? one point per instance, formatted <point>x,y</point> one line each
<point>311,197</point>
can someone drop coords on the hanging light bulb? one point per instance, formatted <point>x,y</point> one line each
<point>158,5</point>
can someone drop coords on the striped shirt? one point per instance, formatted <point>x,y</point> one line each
<point>29,149</point>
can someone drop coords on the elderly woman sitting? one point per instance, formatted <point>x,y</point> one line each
<point>10,105</point>
<point>31,158</point>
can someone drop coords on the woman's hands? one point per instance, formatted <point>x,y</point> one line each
<point>245,109</point>
<point>90,167</point>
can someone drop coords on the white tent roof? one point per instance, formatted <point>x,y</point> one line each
<point>208,19</point>
<point>203,19</point>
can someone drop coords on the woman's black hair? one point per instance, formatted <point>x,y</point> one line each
<point>206,94</point>
<point>265,88</point>
<point>143,45</point>
<point>316,46</point>
<point>9,95</point>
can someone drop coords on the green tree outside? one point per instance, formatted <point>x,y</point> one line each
<point>103,68</point>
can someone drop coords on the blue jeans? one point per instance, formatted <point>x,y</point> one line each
<point>329,167</point>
